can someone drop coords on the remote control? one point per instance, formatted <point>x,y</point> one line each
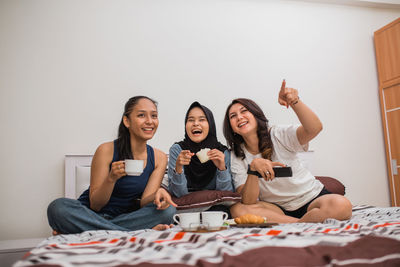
<point>283,171</point>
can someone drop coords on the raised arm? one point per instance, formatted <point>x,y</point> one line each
<point>224,177</point>
<point>177,183</point>
<point>310,123</point>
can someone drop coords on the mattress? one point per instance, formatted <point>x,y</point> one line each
<point>371,237</point>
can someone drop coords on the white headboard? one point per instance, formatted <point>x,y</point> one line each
<point>77,174</point>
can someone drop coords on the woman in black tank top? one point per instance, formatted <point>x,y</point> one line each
<point>115,200</point>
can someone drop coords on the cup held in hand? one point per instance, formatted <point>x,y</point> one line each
<point>134,167</point>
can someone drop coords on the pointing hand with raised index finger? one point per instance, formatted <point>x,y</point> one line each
<point>287,96</point>
<point>281,97</point>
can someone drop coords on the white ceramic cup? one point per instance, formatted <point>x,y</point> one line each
<point>213,219</point>
<point>134,166</point>
<point>188,221</point>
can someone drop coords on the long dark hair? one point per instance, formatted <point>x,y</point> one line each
<point>234,140</point>
<point>124,138</point>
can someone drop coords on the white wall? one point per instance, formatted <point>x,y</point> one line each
<point>67,68</point>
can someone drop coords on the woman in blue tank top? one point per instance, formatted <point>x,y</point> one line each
<point>115,200</point>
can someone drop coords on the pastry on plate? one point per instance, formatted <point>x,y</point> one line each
<point>249,219</point>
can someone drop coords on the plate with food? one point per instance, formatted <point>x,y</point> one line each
<point>251,220</point>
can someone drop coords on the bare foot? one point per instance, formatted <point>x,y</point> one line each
<point>161,227</point>
<point>55,232</point>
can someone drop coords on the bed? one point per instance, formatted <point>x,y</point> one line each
<point>370,238</point>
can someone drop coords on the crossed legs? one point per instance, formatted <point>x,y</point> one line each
<point>270,211</point>
<point>69,216</point>
<point>326,206</point>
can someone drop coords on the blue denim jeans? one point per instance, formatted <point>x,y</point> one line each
<point>69,216</point>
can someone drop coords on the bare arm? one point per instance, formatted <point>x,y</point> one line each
<point>155,179</point>
<point>310,123</point>
<point>102,179</point>
<point>251,189</point>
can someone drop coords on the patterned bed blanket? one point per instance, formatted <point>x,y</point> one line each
<point>371,237</point>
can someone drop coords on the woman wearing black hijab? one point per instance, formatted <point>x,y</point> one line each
<point>185,171</point>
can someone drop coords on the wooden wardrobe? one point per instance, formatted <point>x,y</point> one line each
<point>387,50</point>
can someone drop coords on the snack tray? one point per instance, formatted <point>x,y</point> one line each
<point>205,229</point>
<point>255,225</point>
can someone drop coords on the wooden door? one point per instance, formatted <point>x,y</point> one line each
<point>387,50</point>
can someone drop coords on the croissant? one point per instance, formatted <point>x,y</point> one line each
<point>249,218</point>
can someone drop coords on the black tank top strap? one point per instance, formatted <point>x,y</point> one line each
<point>150,156</point>
<point>115,154</point>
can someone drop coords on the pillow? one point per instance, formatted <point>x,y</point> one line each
<point>203,200</point>
<point>332,184</point>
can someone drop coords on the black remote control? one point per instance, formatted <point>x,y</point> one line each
<point>279,172</point>
<point>283,171</point>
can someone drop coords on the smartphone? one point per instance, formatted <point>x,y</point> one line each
<point>281,172</point>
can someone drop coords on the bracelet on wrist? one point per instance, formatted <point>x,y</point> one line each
<point>249,171</point>
<point>295,101</point>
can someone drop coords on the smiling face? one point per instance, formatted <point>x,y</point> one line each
<point>242,120</point>
<point>197,126</point>
<point>142,122</point>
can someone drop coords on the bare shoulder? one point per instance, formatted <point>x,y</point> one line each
<point>105,147</point>
<point>105,151</point>
<point>160,157</point>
